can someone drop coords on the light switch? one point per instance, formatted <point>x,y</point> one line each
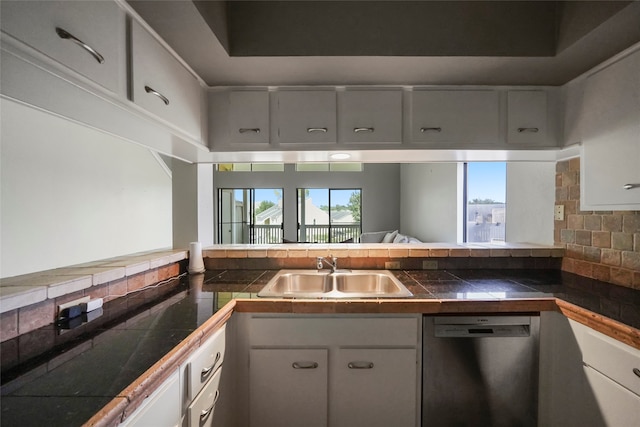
<point>559,213</point>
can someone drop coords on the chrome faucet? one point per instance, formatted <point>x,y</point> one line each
<point>333,264</point>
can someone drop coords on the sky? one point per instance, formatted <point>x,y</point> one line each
<point>487,180</point>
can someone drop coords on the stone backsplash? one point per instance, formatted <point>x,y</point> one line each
<point>603,245</point>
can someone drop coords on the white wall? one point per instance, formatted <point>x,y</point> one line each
<point>193,205</point>
<point>70,194</point>
<point>431,200</point>
<point>530,202</point>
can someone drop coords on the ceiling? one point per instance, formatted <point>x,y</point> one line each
<point>276,43</point>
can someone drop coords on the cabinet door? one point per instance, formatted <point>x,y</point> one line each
<point>611,138</point>
<point>288,387</point>
<point>162,407</point>
<point>87,37</point>
<point>249,117</point>
<point>616,407</point>
<point>305,117</point>
<point>162,86</point>
<point>370,116</point>
<point>527,118</point>
<point>374,387</point>
<point>455,118</point>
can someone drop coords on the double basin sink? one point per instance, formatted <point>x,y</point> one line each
<point>339,284</point>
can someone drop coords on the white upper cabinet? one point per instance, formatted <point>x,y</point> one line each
<point>306,117</point>
<point>455,118</point>
<point>162,86</point>
<point>527,118</point>
<point>87,37</point>
<point>368,116</point>
<point>238,118</point>
<point>249,117</point>
<point>610,166</point>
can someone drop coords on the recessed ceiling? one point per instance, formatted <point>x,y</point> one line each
<point>274,43</point>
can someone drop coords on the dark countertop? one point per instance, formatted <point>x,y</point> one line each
<point>63,376</point>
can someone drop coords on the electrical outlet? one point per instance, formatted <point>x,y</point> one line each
<point>430,265</point>
<point>72,303</point>
<point>559,213</point>
<point>392,265</point>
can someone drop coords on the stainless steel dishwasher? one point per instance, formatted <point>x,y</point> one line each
<point>480,371</point>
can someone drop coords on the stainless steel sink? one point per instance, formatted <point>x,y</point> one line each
<point>341,284</point>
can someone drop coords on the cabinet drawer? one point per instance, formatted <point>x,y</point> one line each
<point>162,86</point>
<point>612,358</point>
<point>370,116</point>
<point>94,30</point>
<point>200,412</point>
<point>372,331</point>
<point>204,362</point>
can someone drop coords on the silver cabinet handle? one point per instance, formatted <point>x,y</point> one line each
<point>528,130</point>
<point>204,373</point>
<point>249,130</point>
<point>158,94</point>
<point>304,365</point>
<point>423,130</point>
<point>63,34</point>
<point>636,371</point>
<point>204,414</point>
<point>314,130</point>
<point>358,130</point>
<point>630,186</point>
<point>360,365</point>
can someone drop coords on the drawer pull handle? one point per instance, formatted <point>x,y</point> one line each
<point>249,130</point>
<point>423,130</point>
<point>158,94</point>
<point>360,365</point>
<point>316,130</point>
<point>637,372</point>
<point>204,373</point>
<point>528,130</point>
<point>63,34</point>
<point>305,365</point>
<point>369,130</point>
<point>630,186</point>
<point>206,412</point>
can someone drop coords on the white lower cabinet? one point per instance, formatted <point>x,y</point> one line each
<point>373,387</point>
<point>161,408</point>
<point>616,405</point>
<point>333,371</point>
<point>586,377</point>
<point>288,387</point>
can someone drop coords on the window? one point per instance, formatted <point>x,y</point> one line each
<point>329,215</point>
<point>485,201</point>
<point>250,215</point>
<point>251,167</point>
<point>329,167</point>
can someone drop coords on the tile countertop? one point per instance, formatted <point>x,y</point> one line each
<point>114,359</point>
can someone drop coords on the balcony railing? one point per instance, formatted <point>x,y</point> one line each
<point>268,234</point>
<point>338,232</point>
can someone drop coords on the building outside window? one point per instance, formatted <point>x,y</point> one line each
<point>485,202</point>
